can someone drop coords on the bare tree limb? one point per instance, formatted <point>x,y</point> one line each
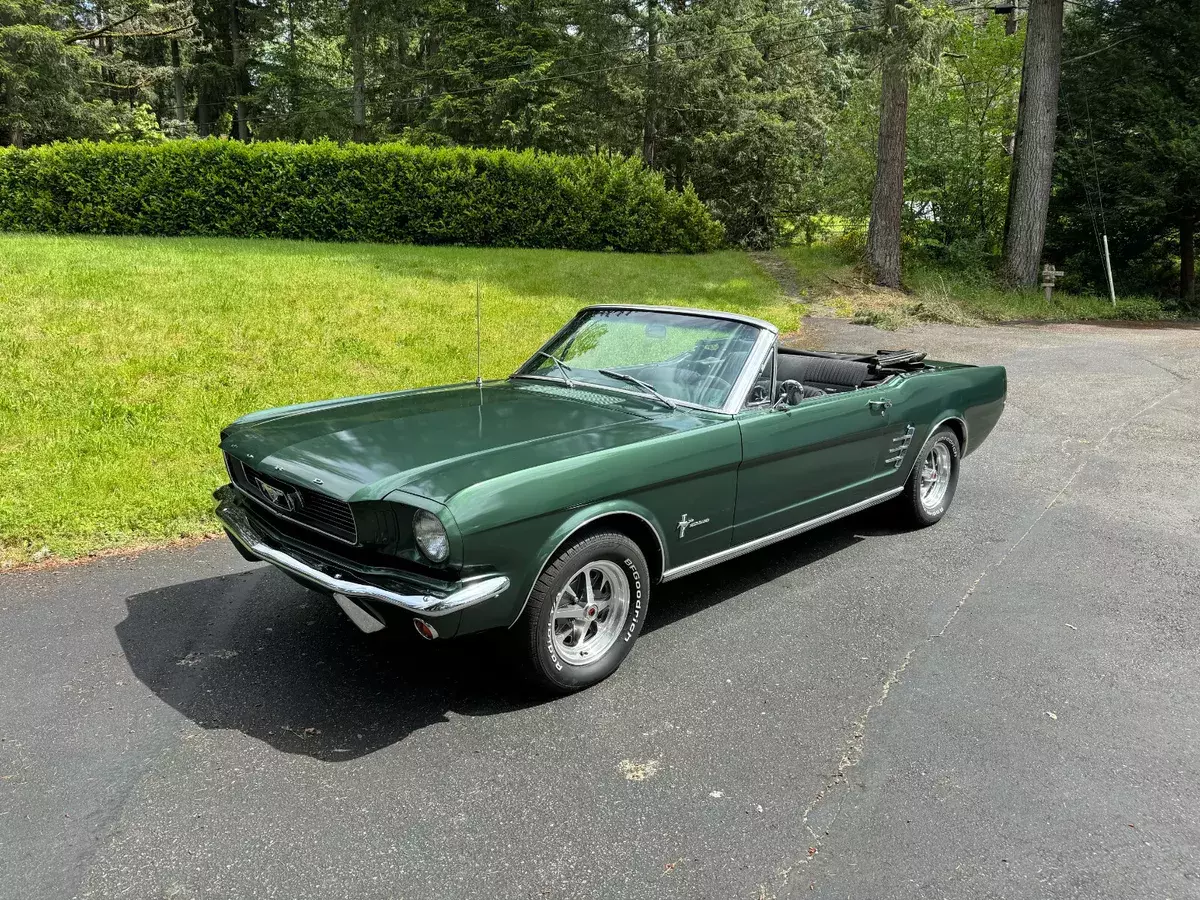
<point>103,29</point>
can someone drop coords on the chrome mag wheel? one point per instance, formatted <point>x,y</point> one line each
<point>590,612</point>
<point>935,475</point>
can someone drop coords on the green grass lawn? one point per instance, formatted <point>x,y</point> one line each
<point>122,358</point>
<point>934,294</point>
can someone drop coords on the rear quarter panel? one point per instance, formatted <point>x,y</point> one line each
<point>972,395</point>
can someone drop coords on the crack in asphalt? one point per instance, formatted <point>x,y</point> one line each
<point>855,744</point>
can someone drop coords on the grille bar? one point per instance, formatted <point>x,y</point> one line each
<point>304,506</point>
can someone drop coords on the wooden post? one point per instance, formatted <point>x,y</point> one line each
<point>1049,273</point>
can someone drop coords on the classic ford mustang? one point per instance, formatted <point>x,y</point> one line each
<point>639,445</point>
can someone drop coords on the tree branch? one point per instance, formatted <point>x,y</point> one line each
<point>103,29</point>
<point>163,33</point>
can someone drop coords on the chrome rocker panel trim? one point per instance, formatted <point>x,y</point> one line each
<point>767,540</point>
<point>242,530</point>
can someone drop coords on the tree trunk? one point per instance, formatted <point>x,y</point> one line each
<point>358,65</point>
<point>649,128</point>
<point>239,67</point>
<point>202,126</point>
<point>292,87</point>
<point>177,82</point>
<point>1033,153</point>
<point>16,134</point>
<point>887,197</point>
<point>1187,259</point>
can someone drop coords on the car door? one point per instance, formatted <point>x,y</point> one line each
<point>817,457</point>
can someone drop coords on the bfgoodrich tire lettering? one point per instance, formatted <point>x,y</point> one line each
<point>930,488</point>
<point>586,611</point>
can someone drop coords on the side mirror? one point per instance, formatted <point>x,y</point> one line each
<point>791,392</point>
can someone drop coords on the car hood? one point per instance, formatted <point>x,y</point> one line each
<point>436,442</point>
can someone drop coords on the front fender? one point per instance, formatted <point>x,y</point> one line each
<point>589,516</point>
<point>522,550</point>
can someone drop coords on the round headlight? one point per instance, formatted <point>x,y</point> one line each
<point>431,535</point>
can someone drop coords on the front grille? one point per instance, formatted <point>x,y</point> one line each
<point>321,513</point>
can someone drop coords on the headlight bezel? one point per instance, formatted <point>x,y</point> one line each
<point>429,529</point>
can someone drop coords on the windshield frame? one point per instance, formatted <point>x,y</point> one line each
<point>764,343</point>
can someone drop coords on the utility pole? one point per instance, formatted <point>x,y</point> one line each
<point>1187,258</point>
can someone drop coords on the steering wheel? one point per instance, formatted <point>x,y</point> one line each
<point>691,381</point>
<point>791,390</point>
<point>719,383</point>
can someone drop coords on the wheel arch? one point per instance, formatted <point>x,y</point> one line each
<point>957,424</point>
<point>637,523</point>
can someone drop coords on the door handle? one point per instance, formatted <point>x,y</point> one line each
<point>879,405</point>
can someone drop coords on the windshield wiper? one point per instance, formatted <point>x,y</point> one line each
<point>621,376</point>
<point>563,368</point>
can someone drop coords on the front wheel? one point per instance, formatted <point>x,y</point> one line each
<point>586,611</point>
<point>930,488</point>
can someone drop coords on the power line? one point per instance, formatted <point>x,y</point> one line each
<point>1087,194</point>
<point>1095,166</point>
<point>1098,50</point>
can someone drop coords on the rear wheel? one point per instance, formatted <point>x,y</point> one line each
<point>930,487</point>
<point>586,611</point>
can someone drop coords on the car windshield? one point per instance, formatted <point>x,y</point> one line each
<point>685,358</point>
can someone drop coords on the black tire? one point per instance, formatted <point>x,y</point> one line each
<point>546,665</point>
<point>912,507</point>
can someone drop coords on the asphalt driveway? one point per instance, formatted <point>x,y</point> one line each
<point>1004,705</point>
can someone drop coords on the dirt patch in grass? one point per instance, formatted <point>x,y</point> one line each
<point>833,285</point>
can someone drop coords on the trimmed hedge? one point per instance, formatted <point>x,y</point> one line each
<point>391,193</point>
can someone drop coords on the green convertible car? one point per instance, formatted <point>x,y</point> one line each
<point>639,445</point>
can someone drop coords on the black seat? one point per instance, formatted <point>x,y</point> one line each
<point>821,370</point>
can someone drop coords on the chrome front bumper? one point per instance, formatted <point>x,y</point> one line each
<point>243,531</point>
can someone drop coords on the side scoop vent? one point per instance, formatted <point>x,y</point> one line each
<point>900,447</point>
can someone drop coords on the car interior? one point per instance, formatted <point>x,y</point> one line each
<point>818,373</point>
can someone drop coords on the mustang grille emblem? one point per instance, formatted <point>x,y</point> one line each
<point>685,523</point>
<point>277,496</point>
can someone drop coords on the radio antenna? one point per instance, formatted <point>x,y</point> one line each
<point>478,352</point>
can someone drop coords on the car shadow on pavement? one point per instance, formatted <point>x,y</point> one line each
<point>259,654</point>
<point>256,653</point>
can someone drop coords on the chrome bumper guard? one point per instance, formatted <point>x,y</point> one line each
<point>241,529</point>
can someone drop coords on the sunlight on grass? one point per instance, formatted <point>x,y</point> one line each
<point>935,294</point>
<point>122,358</point>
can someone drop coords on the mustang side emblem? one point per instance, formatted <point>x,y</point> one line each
<point>685,523</point>
<point>277,496</point>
